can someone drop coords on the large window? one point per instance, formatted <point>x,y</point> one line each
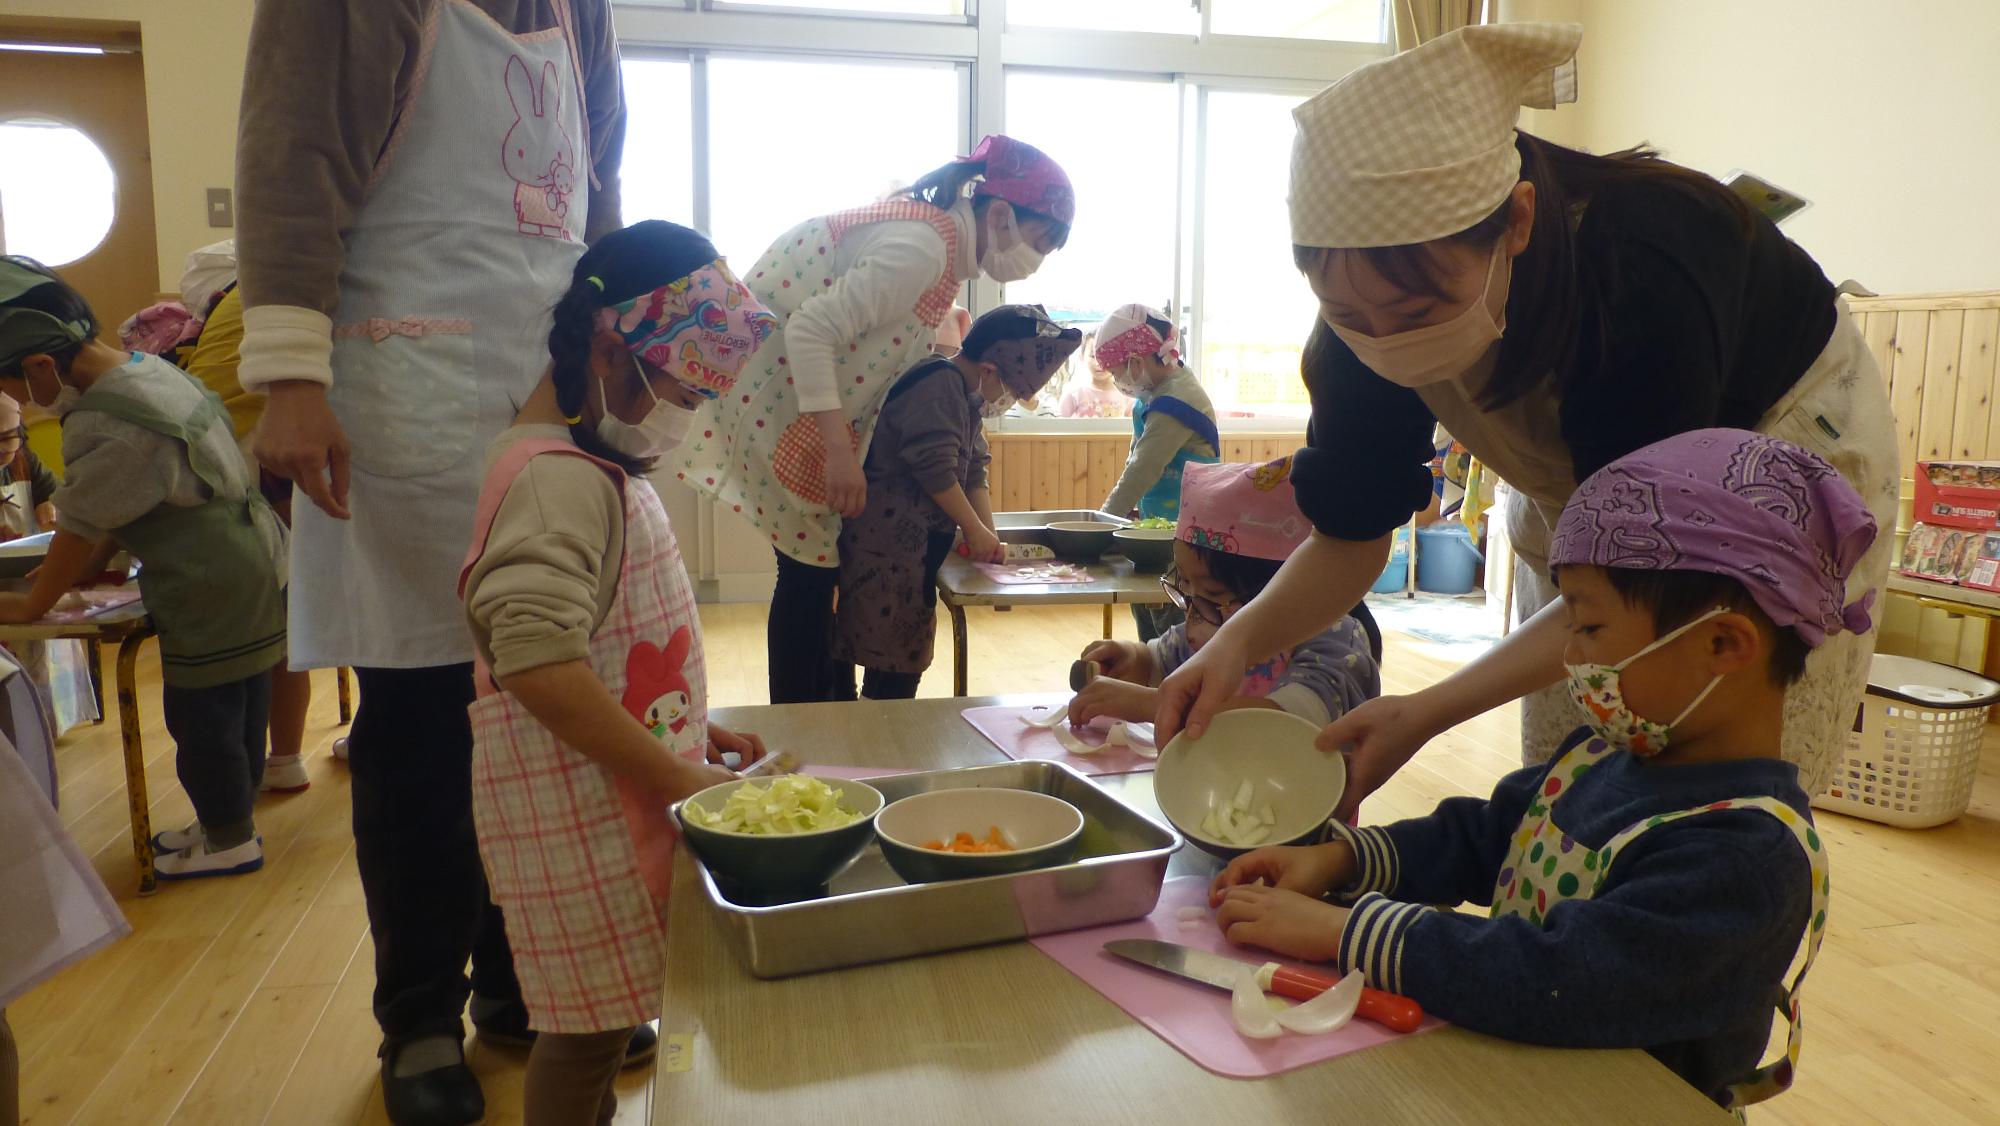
<point>55,219</point>
<point>657,173</point>
<point>1173,119</point>
<point>1254,308</point>
<point>1118,139</point>
<point>1176,17</point>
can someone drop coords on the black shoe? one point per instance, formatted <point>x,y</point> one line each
<point>444,1096</point>
<point>508,1028</point>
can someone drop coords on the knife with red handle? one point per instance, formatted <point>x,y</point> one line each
<point>1392,1011</point>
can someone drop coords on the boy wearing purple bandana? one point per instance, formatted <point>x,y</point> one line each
<point>1659,884</point>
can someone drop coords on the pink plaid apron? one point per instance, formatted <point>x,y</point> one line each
<point>580,860</point>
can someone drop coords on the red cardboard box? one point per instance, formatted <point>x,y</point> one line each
<point>1958,494</point>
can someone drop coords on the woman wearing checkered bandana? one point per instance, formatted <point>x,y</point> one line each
<point>1554,311</point>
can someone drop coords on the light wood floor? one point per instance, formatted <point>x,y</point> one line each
<point>246,1000</point>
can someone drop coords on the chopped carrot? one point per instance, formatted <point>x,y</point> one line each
<point>966,843</point>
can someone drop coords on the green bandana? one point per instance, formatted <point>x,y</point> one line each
<point>26,332</point>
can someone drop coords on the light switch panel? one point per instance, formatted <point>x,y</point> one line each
<point>221,207</point>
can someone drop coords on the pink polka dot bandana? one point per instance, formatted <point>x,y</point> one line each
<point>700,329</point>
<point>1764,512</point>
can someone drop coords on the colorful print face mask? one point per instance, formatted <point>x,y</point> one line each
<point>701,329</point>
<point>1596,690</point>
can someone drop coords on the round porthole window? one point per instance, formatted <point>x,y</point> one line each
<point>57,191</point>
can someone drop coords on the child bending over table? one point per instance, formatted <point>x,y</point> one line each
<point>1659,885</point>
<point>1237,525</point>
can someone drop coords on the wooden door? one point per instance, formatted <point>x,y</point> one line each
<point>104,96</point>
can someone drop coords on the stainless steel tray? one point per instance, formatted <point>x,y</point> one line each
<point>868,914</point>
<point>1028,527</point>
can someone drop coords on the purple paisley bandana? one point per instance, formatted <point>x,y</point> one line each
<point>700,329</point>
<point>1766,513</point>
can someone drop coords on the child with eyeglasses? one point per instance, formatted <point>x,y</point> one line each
<point>23,512</point>
<point>1237,525</point>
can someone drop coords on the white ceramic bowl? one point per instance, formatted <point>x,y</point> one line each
<point>1274,751</point>
<point>1044,830</point>
<point>1079,541</point>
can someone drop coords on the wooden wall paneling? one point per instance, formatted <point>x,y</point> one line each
<point>1972,423</point>
<point>996,470</point>
<point>1906,379</point>
<point>1107,462</point>
<point>1047,460</point>
<point>1940,398</point>
<point>1076,473</point>
<point>1879,330</point>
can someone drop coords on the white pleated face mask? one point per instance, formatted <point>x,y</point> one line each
<point>1438,352</point>
<point>665,426</point>
<point>1009,256</point>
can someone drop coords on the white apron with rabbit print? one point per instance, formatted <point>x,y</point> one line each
<point>473,221</point>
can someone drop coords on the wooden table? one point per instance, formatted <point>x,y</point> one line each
<point>1004,1035</point>
<point>961,584</point>
<point>129,626</point>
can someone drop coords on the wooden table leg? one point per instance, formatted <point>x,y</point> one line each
<point>958,647</point>
<point>96,662</point>
<point>135,760</point>
<point>346,694</point>
<point>1107,621</point>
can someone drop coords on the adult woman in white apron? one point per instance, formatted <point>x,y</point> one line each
<point>1554,311</point>
<point>416,180</point>
<point>859,296</point>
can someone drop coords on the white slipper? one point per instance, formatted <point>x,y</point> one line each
<point>175,840</point>
<point>285,774</point>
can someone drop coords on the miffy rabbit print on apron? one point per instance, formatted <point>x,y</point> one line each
<point>474,218</point>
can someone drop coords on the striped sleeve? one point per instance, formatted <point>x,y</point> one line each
<point>1375,861</point>
<point>1373,940</point>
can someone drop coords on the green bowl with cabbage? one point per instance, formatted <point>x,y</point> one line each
<point>785,834</point>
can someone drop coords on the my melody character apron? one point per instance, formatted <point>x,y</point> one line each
<point>757,454</point>
<point>207,576</point>
<point>1546,866</point>
<point>1164,498</point>
<point>1838,409</point>
<point>581,860</point>
<point>473,221</point>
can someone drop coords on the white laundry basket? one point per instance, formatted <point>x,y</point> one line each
<point>1913,762</point>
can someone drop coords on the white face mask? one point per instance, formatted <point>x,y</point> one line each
<point>1596,690</point>
<point>665,426</point>
<point>1130,380</point>
<point>1436,352</point>
<point>65,400</point>
<point>995,407</point>
<point>1008,257</point>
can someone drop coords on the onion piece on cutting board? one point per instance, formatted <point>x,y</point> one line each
<point>1327,1012</point>
<point>1250,1010</point>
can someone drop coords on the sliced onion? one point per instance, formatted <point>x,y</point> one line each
<point>1326,1012</point>
<point>1116,736</point>
<point>1192,912</point>
<point>1249,1009</point>
<point>1054,717</point>
<point>1071,743</point>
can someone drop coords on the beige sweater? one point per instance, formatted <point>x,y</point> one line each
<point>550,568</point>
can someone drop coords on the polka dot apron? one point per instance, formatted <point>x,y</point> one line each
<point>1545,866</point>
<point>753,451</point>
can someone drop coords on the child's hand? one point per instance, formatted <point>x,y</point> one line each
<point>1124,660</point>
<point>1108,696</point>
<point>1283,922</point>
<point>846,485</point>
<point>680,778</point>
<point>982,545</point>
<point>1313,870</point>
<point>747,748</point>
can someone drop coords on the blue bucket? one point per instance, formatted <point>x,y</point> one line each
<point>1396,576</point>
<point>1447,561</point>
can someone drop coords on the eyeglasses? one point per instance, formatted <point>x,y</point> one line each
<point>13,438</point>
<point>1192,604</point>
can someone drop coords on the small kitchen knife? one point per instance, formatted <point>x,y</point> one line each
<point>1399,1014</point>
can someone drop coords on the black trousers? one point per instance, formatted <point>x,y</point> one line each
<point>219,736</point>
<point>411,757</point>
<point>798,640</point>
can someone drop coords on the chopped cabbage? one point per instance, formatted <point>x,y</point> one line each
<point>794,803</point>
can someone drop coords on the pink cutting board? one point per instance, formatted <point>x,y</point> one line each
<point>1003,728</point>
<point>1193,1017</point>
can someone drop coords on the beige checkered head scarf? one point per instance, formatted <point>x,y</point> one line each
<point>1420,145</point>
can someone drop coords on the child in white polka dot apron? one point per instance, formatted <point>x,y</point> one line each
<point>1660,884</point>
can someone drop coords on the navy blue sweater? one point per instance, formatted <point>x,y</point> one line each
<point>1681,952</point>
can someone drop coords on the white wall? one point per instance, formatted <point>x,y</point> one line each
<point>193,51</point>
<point>1882,114</point>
